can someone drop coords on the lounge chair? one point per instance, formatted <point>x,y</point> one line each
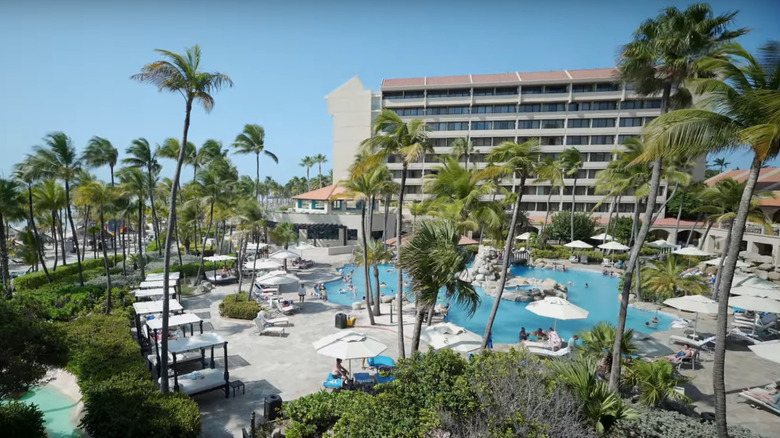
<point>606,263</point>
<point>584,259</point>
<point>333,383</point>
<point>752,327</point>
<point>765,319</point>
<point>693,359</point>
<point>697,345</point>
<point>573,259</point>
<point>751,398</point>
<point>288,309</point>
<point>381,361</point>
<point>544,352</point>
<point>272,321</point>
<point>267,329</point>
<point>747,337</point>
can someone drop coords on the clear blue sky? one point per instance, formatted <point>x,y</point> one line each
<point>66,65</point>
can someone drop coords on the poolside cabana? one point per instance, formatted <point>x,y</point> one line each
<point>206,379</point>
<point>152,308</point>
<point>220,279</point>
<point>153,294</point>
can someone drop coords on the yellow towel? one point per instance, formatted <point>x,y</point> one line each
<point>351,322</point>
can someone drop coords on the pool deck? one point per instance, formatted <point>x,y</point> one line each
<point>289,366</point>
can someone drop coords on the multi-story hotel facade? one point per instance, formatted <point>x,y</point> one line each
<point>583,109</point>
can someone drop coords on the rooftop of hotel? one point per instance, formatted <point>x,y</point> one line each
<point>502,78</point>
<point>327,193</point>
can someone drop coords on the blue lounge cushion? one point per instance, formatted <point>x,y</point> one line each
<point>381,361</point>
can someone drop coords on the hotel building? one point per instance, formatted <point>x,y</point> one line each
<point>584,109</point>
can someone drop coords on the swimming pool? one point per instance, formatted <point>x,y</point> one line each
<point>599,298</point>
<point>58,411</point>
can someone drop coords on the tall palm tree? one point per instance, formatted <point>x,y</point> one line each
<point>180,74</point>
<point>58,160</point>
<point>721,164</point>
<point>307,162</point>
<point>518,160</point>
<point>100,152</point>
<point>417,209</point>
<point>143,157</point>
<point>549,171</point>
<point>10,210</point>
<point>665,280</point>
<point>742,108</point>
<point>252,141</point>
<point>214,185</point>
<point>319,160</point>
<point>434,262</point>
<point>134,183</point>
<point>252,219</point>
<point>28,174</point>
<point>571,163</point>
<point>409,141</point>
<point>664,54</point>
<point>463,148</point>
<point>50,197</point>
<point>100,196</point>
<point>377,253</point>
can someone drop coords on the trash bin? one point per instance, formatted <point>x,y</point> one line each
<point>273,407</point>
<point>341,320</point>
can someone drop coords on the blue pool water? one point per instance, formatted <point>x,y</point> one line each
<point>58,411</point>
<point>600,299</point>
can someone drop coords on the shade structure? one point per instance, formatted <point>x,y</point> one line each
<point>448,335</point>
<point>219,258</point>
<point>255,246</point>
<point>716,262</point>
<point>603,237</point>
<point>661,243</point>
<point>772,294</point>
<point>352,345</point>
<point>767,350</point>
<point>756,304</point>
<point>614,246</point>
<point>578,244</point>
<point>283,254</point>
<point>690,251</point>
<point>277,279</point>
<point>694,303</point>
<point>300,246</point>
<point>557,308</point>
<point>263,264</point>
<point>524,236</point>
<point>754,282</point>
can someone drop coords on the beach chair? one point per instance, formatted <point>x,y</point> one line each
<point>693,359</point>
<point>332,382</point>
<point>381,361</point>
<point>584,259</point>
<point>753,399</point>
<point>704,344</point>
<point>544,352</point>
<point>263,329</point>
<point>573,259</point>
<point>286,310</point>
<point>606,263</point>
<point>272,321</point>
<point>747,337</point>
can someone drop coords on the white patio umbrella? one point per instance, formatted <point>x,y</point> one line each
<point>277,279</point>
<point>352,345</point>
<point>264,264</point>
<point>303,245</point>
<point>754,282</point>
<point>773,294</point>
<point>767,350</point>
<point>661,243</point>
<point>603,237</point>
<point>690,251</point>
<point>557,308</point>
<point>756,304</point>
<point>283,254</point>
<point>716,262</point>
<point>448,335</point>
<point>578,244</point>
<point>614,246</point>
<point>524,236</point>
<point>695,303</point>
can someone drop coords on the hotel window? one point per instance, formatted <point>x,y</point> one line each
<point>482,109</point>
<point>484,91</point>
<point>629,86</point>
<point>603,123</point>
<point>592,173</point>
<point>552,124</point>
<point>437,126</point>
<point>527,124</point>
<point>550,156</point>
<point>397,173</point>
<point>550,141</point>
<point>457,110</point>
<point>579,106</point>
<point>653,103</point>
<point>336,205</point>
<point>604,106</point>
<point>390,95</point>
<point>531,90</point>
<point>506,91</point>
<point>600,156</point>
<point>607,86</point>
<point>460,92</point>
<point>543,190</point>
<point>510,124</point>
<point>553,107</point>
<point>529,190</point>
<point>631,104</point>
<point>458,126</point>
<point>554,89</point>
<point>622,138</point>
<point>438,142</point>
<point>485,141</point>
<point>582,173</point>
<point>529,108</point>
<point>498,140</point>
<point>579,123</point>
<point>582,88</point>
<point>410,112</point>
<point>414,94</point>
<point>602,139</point>
<point>437,93</point>
<point>630,121</point>
<point>649,119</point>
<point>504,108</point>
<point>579,190</point>
<point>577,140</point>
<point>481,126</point>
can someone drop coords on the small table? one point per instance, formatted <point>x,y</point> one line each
<point>235,384</point>
<point>363,378</point>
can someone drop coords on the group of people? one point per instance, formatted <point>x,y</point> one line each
<point>612,274</point>
<point>551,336</point>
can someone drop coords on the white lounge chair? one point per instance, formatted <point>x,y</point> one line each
<point>698,345</point>
<point>749,325</point>
<point>544,352</point>
<point>746,336</point>
<point>272,321</point>
<point>770,319</point>
<point>751,398</point>
<point>267,329</point>
<point>285,309</point>
<point>606,263</point>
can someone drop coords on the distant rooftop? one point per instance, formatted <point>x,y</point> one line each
<point>327,193</point>
<point>604,74</point>
<point>768,181</point>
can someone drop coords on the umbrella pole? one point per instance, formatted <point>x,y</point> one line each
<point>695,325</point>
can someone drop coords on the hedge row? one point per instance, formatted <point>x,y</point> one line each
<point>187,269</point>
<point>120,399</point>
<point>21,420</point>
<point>238,307</point>
<point>63,302</point>
<point>64,274</point>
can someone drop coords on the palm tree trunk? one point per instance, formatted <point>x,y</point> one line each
<point>73,230</point>
<point>167,253</point>
<point>663,206</point>
<point>377,300</point>
<point>60,226</point>
<point>719,276</point>
<point>726,276</point>
<point>54,236</point>
<point>370,230</point>
<point>612,205</point>
<point>319,169</point>
<point>123,241</point>
<point>140,235</point>
<point>178,246</point>
<point>37,239</point>
<point>706,232</point>
<point>205,236</point>
<point>105,262</point>
<point>365,263</point>
<point>400,295</point>
<point>387,213</point>
<point>504,264</point>
<point>84,239</point>
<point>240,265</point>
<point>418,321</point>
<point>573,204</point>
<point>257,176</point>
<point>155,220</point>
<point>4,260</point>
<point>679,214</point>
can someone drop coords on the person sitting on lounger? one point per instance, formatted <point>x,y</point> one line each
<point>554,339</point>
<point>523,335</point>
<point>686,352</point>
<point>540,334</point>
<point>224,272</point>
<point>339,371</point>
<point>769,397</point>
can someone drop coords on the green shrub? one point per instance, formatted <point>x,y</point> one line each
<point>656,423</point>
<point>238,307</point>
<point>21,420</point>
<point>65,274</point>
<point>315,413</point>
<point>125,406</point>
<point>63,302</point>
<point>187,269</point>
<point>560,226</point>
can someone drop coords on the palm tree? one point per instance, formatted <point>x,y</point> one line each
<point>417,209</point>
<point>434,261</point>
<point>252,219</point>
<point>58,160</point>
<point>50,197</point>
<point>100,152</point>
<point>252,141</point>
<point>284,234</point>
<point>664,54</point>
<point>721,164</point>
<point>571,163</point>
<point>319,160</point>
<point>742,108</point>
<point>180,74</point>
<point>307,162</point>
<point>664,280</point>
<point>409,140</point>
<point>214,185</point>
<point>100,196</point>
<point>377,254</point>
<point>518,160</point>
<point>134,183</point>
<point>142,157</point>
<point>599,341</point>
<point>10,202</point>
<point>28,174</point>
<point>462,148</point>
<point>657,381</point>
<point>548,171</point>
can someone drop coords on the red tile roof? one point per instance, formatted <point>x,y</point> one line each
<point>498,77</point>
<point>593,73</point>
<point>326,193</point>
<point>464,240</point>
<point>768,177</point>
<point>509,77</point>
<point>448,80</point>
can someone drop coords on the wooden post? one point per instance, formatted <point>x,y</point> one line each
<point>175,375</point>
<point>227,374</point>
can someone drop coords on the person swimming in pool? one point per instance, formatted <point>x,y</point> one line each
<point>383,284</point>
<point>653,322</point>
